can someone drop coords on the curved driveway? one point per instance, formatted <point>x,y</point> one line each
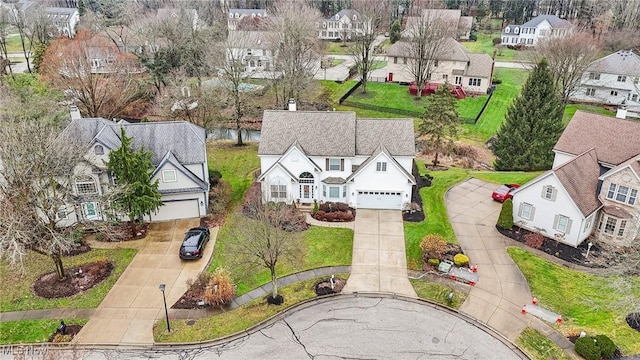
<point>349,327</point>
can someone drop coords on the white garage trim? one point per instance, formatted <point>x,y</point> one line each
<point>374,199</point>
<point>177,209</point>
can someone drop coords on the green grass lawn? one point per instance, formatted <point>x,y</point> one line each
<point>438,293</point>
<point>494,114</point>
<point>437,221</point>
<point>539,347</point>
<point>32,331</point>
<point>336,62</point>
<point>337,47</point>
<point>236,164</point>
<point>484,44</point>
<point>15,45</point>
<point>237,319</point>
<point>324,246</point>
<point>19,296</point>
<point>586,302</point>
<point>336,90</point>
<point>571,109</point>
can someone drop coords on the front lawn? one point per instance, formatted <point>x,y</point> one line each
<point>586,302</point>
<point>237,319</point>
<point>437,220</point>
<point>32,331</point>
<point>19,296</point>
<point>484,44</point>
<point>324,246</point>
<point>571,109</point>
<point>539,347</point>
<point>438,293</point>
<point>337,47</point>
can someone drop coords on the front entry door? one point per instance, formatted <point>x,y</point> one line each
<point>306,192</point>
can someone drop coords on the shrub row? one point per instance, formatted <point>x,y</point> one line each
<point>595,348</point>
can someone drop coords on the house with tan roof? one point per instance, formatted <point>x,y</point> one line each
<point>316,156</point>
<point>451,19</point>
<point>592,189</point>
<point>612,80</point>
<point>454,64</point>
<point>535,30</point>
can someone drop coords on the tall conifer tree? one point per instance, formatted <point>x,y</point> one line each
<point>532,126</point>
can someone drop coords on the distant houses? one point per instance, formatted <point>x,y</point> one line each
<point>457,26</point>
<point>345,25</point>
<point>237,17</point>
<point>535,30</point>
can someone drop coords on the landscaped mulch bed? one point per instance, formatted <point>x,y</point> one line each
<point>71,330</point>
<point>78,279</point>
<point>190,299</point>
<point>323,287</point>
<point>575,255</point>
<point>77,249</point>
<point>416,214</point>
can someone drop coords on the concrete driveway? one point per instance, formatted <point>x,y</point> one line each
<point>498,296</point>
<point>379,261</point>
<point>128,312</point>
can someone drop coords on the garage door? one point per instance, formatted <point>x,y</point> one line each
<point>177,209</point>
<point>379,199</point>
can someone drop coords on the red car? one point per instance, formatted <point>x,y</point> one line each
<point>504,192</point>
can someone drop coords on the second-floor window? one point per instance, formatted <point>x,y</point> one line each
<point>622,194</point>
<point>334,165</point>
<point>86,186</point>
<point>381,166</point>
<point>622,78</point>
<point>594,76</point>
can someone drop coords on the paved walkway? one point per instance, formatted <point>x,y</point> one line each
<point>379,262</point>
<point>128,312</point>
<point>498,297</point>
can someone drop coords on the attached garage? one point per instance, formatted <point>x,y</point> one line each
<point>380,199</point>
<point>177,209</point>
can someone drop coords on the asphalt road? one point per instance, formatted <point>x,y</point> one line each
<point>340,328</point>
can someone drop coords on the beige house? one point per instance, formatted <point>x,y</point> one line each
<point>454,64</point>
<point>452,20</point>
<point>592,189</point>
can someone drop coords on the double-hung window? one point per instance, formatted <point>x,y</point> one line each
<point>381,166</point>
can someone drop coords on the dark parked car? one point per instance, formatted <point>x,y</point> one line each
<point>193,244</point>
<point>504,192</point>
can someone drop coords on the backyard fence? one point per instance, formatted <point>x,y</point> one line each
<point>348,93</point>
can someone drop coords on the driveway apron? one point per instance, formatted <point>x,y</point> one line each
<point>379,260</point>
<point>497,298</point>
<point>128,312</point>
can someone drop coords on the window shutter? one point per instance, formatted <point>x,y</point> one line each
<point>554,193</point>
<point>520,209</point>
<point>555,222</point>
<point>341,164</point>
<point>533,213</point>
<point>544,191</point>
<point>568,226</point>
<point>326,164</point>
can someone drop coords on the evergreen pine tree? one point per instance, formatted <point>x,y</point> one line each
<point>132,169</point>
<point>394,34</point>
<point>440,122</point>
<point>532,126</point>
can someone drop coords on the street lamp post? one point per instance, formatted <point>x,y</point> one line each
<point>166,311</point>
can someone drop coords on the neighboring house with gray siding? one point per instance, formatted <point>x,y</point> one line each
<point>592,189</point>
<point>178,154</point>
<point>316,156</point>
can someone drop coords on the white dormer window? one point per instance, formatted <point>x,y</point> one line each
<point>354,17</point>
<point>259,15</point>
<point>169,176</point>
<point>337,17</point>
<point>253,15</point>
<point>516,30</point>
<point>506,30</point>
<point>324,25</point>
<point>231,15</point>
<point>237,15</point>
<point>98,150</point>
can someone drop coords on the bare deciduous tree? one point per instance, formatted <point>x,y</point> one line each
<point>295,43</point>
<point>93,73</point>
<point>35,185</point>
<point>425,43</point>
<point>34,28</point>
<point>261,242</point>
<point>363,49</point>
<point>568,59</point>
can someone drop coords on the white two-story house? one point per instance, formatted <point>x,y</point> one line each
<point>320,156</point>
<point>254,48</point>
<point>592,189</point>
<point>535,30</point>
<point>178,154</point>
<point>453,64</point>
<point>345,25</point>
<point>611,80</point>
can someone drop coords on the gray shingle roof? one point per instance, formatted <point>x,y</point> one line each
<point>382,150</point>
<point>610,136</point>
<point>479,65</point>
<point>252,39</point>
<point>262,12</point>
<point>553,20</point>
<point>322,133</point>
<point>450,15</point>
<point>623,62</point>
<point>449,50</point>
<point>168,12</point>
<point>334,133</point>
<point>185,140</point>
<point>396,135</point>
<point>333,180</point>
<point>171,159</point>
<point>580,178</point>
<point>348,13</point>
